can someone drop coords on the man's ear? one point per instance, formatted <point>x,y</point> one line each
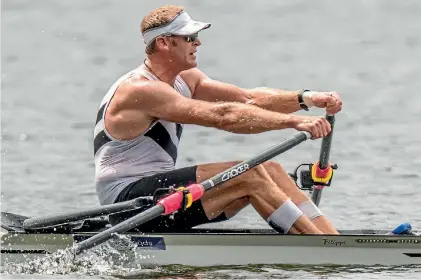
<point>161,43</point>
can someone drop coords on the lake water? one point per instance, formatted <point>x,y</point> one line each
<point>59,58</point>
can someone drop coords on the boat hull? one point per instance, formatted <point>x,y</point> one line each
<point>212,248</point>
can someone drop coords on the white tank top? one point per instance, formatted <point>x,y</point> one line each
<point>121,162</point>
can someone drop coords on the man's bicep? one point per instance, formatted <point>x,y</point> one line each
<point>168,104</point>
<point>214,91</point>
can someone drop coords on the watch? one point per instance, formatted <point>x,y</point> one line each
<point>301,99</point>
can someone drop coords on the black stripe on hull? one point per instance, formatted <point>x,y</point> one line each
<point>160,135</point>
<point>30,251</point>
<point>100,140</point>
<point>413,255</point>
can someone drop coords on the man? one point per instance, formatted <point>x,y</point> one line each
<point>140,123</point>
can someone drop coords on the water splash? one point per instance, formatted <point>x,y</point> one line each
<point>117,256</point>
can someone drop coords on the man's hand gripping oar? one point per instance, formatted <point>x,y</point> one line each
<point>174,201</point>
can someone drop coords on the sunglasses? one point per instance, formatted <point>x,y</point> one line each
<point>188,38</point>
<point>191,38</point>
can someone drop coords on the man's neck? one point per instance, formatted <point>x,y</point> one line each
<point>163,70</point>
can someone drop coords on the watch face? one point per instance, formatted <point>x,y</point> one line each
<point>301,100</point>
<point>304,106</point>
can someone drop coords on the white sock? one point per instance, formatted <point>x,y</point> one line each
<point>310,209</point>
<point>283,218</point>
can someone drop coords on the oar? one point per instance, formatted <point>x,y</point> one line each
<point>172,202</point>
<point>324,158</point>
<point>54,220</point>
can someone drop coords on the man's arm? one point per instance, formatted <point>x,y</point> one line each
<point>205,88</point>
<point>159,100</point>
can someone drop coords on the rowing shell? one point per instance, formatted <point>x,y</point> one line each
<point>211,247</point>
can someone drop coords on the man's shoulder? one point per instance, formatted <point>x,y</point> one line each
<point>140,84</point>
<point>192,72</point>
<point>143,94</point>
<point>193,77</point>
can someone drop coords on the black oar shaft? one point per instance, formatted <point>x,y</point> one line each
<point>216,180</point>
<point>256,160</point>
<point>48,221</point>
<point>324,158</point>
<point>128,224</point>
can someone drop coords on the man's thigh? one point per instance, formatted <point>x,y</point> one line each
<point>148,185</point>
<point>226,196</point>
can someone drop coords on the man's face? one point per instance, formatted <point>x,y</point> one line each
<point>183,49</point>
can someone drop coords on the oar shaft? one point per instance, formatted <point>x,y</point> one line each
<point>256,160</point>
<point>54,220</point>
<point>326,144</point>
<point>324,158</point>
<point>127,225</point>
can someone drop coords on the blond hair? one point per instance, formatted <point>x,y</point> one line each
<point>159,17</point>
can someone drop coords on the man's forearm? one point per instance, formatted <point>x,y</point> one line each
<point>274,100</point>
<point>238,118</point>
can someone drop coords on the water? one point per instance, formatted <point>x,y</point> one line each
<point>60,57</point>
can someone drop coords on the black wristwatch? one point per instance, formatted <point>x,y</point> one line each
<point>301,100</point>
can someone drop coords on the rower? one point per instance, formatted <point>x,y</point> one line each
<point>141,118</point>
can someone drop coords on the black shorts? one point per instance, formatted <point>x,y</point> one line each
<point>180,221</point>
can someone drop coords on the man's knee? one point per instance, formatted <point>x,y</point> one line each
<point>265,171</point>
<point>274,168</point>
<point>285,182</point>
<point>256,175</point>
<point>256,180</point>
<point>253,179</point>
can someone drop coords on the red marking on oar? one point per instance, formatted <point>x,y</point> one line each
<point>173,201</point>
<point>322,173</point>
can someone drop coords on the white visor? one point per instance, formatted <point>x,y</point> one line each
<point>182,24</point>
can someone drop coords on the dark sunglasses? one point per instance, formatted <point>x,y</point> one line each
<point>188,38</point>
<point>191,38</point>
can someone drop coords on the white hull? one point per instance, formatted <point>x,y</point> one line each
<point>238,248</point>
<point>281,255</point>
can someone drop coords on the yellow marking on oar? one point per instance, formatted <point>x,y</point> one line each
<point>188,196</point>
<point>322,180</point>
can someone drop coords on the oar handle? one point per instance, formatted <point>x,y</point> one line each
<point>326,144</point>
<point>324,158</point>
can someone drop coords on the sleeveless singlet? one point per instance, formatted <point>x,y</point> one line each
<point>119,163</point>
